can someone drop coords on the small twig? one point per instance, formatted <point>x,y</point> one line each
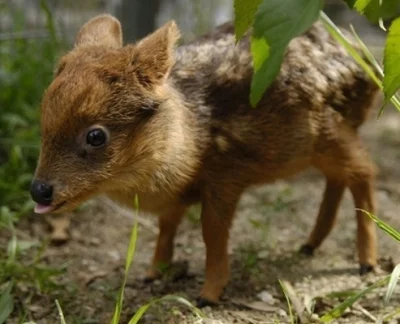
<point>365,312</point>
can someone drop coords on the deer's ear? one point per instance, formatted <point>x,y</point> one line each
<point>156,53</point>
<point>103,30</point>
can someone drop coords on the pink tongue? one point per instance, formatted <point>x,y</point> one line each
<point>42,209</point>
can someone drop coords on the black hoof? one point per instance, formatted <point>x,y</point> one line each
<point>365,268</point>
<point>307,250</point>
<point>203,302</point>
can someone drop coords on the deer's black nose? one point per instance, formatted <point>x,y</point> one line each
<point>41,192</point>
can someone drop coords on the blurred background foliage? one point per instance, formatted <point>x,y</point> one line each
<point>26,62</point>
<point>33,33</point>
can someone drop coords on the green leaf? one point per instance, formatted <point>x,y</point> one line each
<point>338,35</point>
<point>260,52</point>
<point>339,310</point>
<point>276,23</point>
<point>376,10</point>
<point>6,303</point>
<point>391,66</point>
<point>266,74</point>
<point>382,225</point>
<point>359,5</point>
<point>244,15</point>
<point>16,246</point>
<point>350,3</point>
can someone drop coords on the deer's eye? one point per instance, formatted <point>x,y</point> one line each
<point>96,137</point>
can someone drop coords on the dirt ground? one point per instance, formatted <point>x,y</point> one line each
<point>271,223</point>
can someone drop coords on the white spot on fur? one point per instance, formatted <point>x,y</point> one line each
<point>222,143</point>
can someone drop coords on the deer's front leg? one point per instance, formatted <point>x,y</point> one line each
<point>168,224</point>
<point>216,218</point>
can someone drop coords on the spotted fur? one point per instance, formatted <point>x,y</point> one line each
<point>181,130</point>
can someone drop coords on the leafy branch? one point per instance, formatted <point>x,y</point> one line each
<point>276,22</point>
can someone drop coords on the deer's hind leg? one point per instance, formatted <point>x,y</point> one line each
<point>345,163</point>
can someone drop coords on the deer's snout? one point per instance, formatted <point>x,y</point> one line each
<point>42,193</point>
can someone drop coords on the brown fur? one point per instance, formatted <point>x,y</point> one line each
<point>182,131</point>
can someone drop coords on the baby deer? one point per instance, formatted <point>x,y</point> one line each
<point>174,126</point>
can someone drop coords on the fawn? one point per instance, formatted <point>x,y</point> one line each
<point>174,126</point>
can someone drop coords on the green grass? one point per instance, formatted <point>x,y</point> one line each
<point>375,72</point>
<point>284,290</point>
<point>120,299</point>
<point>391,280</point>
<point>25,71</point>
<point>338,311</point>
<point>22,270</point>
<point>143,309</point>
<point>6,303</point>
<point>60,313</point>
<point>128,263</point>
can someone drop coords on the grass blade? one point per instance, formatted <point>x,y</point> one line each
<point>367,53</point>
<point>391,315</point>
<point>6,303</point>
<point>283,287</point>
<point>12,249</point>
<point>394,278</point>
<point>60,313</point>
<point>338,35</point>
<point>129,258</point>
<point>339,309</point>
<point>131,249</point>
<point>185,302</point>
<point>140,312</point>
<point>138,315</point>
<point>341,294</point>
<point>383,226</point>
<point>371,58</point>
